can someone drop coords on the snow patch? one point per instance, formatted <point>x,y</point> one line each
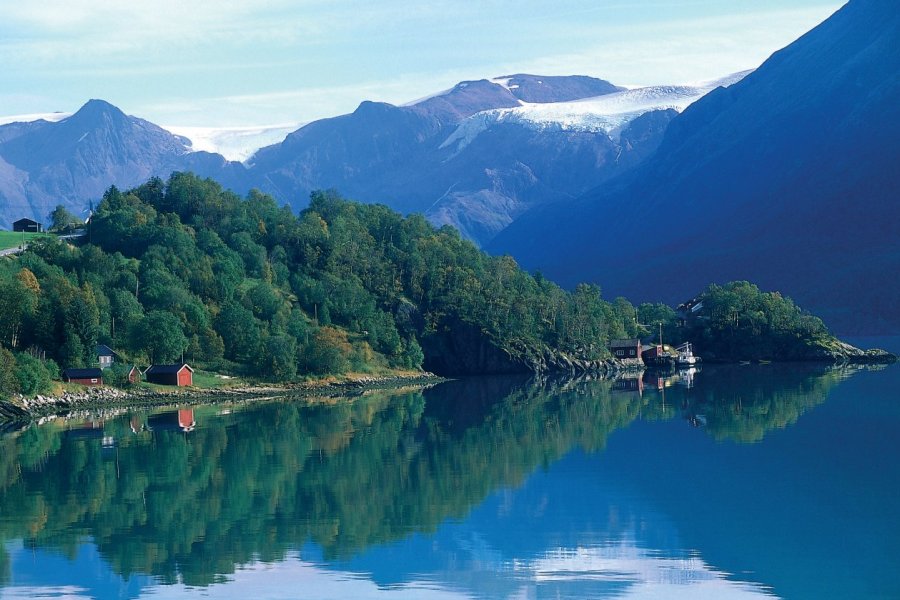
<point>234,143</point>
<point>607,114</point>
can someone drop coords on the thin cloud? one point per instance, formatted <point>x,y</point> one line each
<point>218,61</point>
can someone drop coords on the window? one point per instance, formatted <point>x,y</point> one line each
<point>93,381</point>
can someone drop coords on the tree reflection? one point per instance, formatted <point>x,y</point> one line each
<point>265,479</point>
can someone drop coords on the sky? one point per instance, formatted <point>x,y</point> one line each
<point>242,63</point>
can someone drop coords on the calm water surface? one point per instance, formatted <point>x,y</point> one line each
<point>734,482</point>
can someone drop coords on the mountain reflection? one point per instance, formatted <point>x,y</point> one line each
<point>190,495</point>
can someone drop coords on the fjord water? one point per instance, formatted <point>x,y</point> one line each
<point>734,482</point>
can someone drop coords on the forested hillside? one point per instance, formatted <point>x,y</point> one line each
<point>184,268</point>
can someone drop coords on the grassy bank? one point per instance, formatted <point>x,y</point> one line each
<point>13,239</point>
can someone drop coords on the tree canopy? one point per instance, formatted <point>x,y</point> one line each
<point>185,267</point>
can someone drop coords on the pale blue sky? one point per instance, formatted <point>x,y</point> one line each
<point>260,62</point>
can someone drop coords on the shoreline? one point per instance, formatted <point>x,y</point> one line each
<point>21,409</point>
<point>105,397</point>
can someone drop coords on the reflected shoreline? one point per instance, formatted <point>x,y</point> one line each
<point>189,496</point>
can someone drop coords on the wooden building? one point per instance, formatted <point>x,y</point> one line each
<point>83,376</point>
<point>28,226</point>
<point>177,374</point>
<point>623,349</point>
<point>105,356</point>
<point>134,375</point>
<point>689,311</point>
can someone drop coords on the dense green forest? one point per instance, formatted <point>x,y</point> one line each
<point>184,268</point>
<point>738,321</point>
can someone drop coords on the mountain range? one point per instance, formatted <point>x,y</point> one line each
<point>786,176</point>
<point>475,156</point>
<point>789,178</point>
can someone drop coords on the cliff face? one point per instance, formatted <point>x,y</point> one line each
<point>461,348</point>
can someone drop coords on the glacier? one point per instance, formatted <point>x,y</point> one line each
<point>607,114</point>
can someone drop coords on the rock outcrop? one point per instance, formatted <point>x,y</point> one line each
<point>464,349</point>
<point>843,353</point>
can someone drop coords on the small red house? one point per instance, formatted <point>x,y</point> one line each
<point>83,376</point>
<point>623,349</point>
<point>178,374</point>
<point>134,375</point>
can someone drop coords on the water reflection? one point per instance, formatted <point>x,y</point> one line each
<point>432,491</point>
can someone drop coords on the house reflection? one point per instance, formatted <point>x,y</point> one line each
<point>93,430</point>
<point>175,420</point>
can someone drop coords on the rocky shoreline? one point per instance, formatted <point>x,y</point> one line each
<point>105,398</point>
<point>844,353</point>
<point>541,362</point>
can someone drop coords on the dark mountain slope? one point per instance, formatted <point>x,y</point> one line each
<point>789,178</point>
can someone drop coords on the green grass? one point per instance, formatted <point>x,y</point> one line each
<point>203,380</point>
<point>13,239</point>
<point>206,380</point>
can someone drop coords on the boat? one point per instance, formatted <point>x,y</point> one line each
<point>686,356</point>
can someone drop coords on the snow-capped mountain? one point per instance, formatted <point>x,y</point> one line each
<point>475,156</point>
<point>608,113</point>
<point>788,178</point>
<point>478,155</point>
<point>233,143</point>
<point>72,159</point>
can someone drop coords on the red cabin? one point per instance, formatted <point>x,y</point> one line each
<point>134,375</point>
<point>623,349</point>
<point>83,376</point>
<point>179,375</point>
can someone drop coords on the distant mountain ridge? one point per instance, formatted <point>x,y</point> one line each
<point>403,156</point>
<point>74,160</point>
<point>788,178</point>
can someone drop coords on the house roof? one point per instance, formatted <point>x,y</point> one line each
<point>25,220</point>
<point>83,373</point>
<point>104,350</point>
<point>168,369</point>
<point>624,343</point>
<point>692,305</point>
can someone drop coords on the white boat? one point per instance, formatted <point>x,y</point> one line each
<point>686,356</point>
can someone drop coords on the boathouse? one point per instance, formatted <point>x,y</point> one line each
<point>177,374</point>
<point>623,349</point>
<point>83,376</point>
<point>134,375</point>
<point>28,226</point>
